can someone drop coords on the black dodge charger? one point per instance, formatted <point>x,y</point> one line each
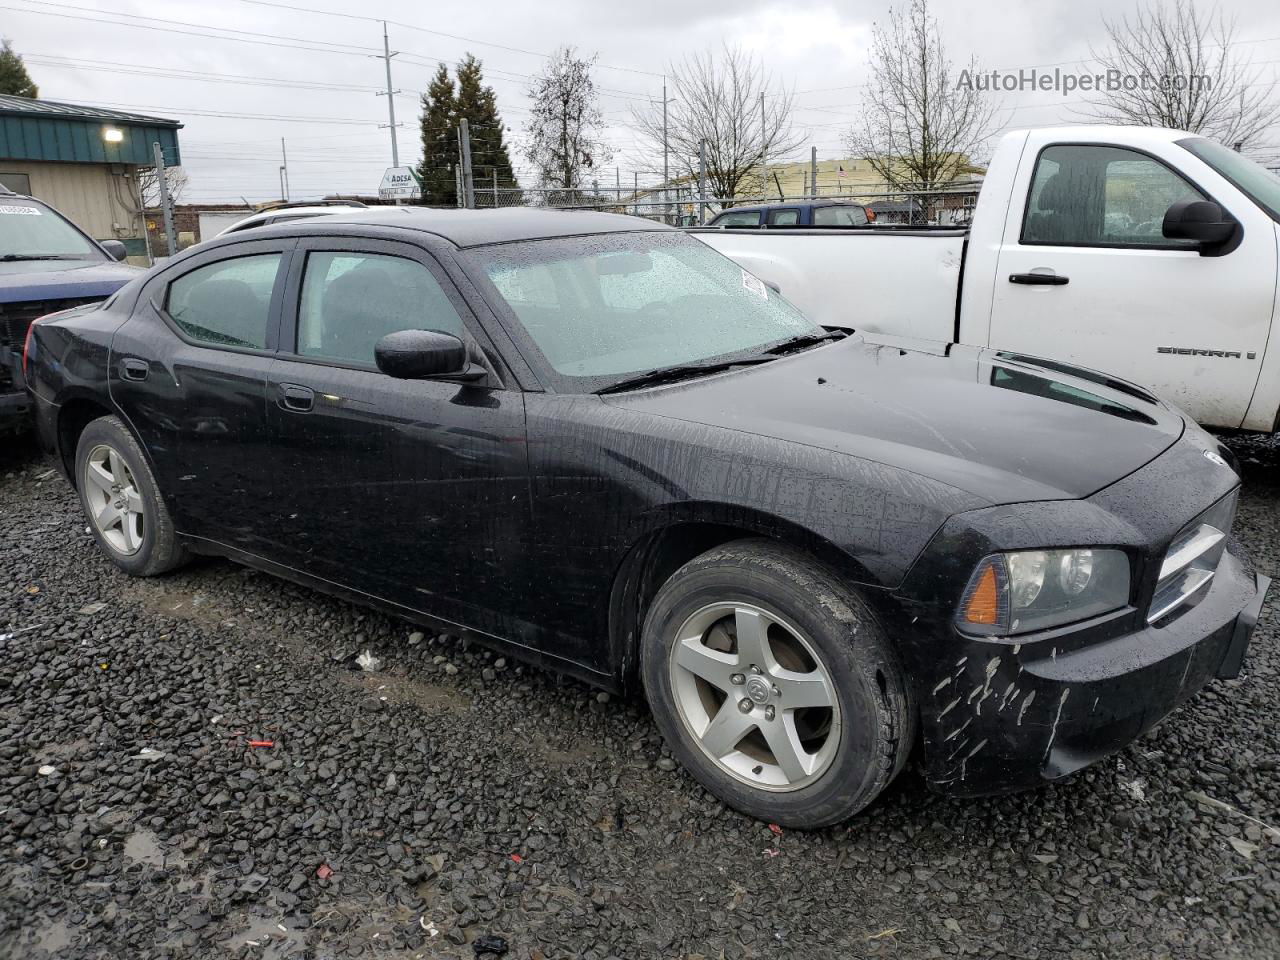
<point>596,443</point>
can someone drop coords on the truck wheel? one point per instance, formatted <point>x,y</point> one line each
<point>122,502</point>
<point>774,685</point>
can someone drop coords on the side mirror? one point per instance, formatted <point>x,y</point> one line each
<point>1200,220</point>
<point>424,354</point>
<point>115,249</point>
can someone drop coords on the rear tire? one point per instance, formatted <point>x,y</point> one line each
<point>122,503</point>
<point>773,684</point>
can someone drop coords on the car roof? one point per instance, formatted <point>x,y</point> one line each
<point>475,228</point>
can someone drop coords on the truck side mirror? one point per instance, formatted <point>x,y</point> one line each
<point>1203,221</point>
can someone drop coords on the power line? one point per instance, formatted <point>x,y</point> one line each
<point>438,33</point>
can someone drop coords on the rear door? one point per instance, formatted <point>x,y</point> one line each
<point>415,491</point>
<point>189,370</point>
<point>1085,274</point>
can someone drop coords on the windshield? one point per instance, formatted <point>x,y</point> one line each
<point>30,229</point>
<point>606,307</point>
<point>1256,182</point>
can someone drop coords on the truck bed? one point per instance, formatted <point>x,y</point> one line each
<point>911,275</point>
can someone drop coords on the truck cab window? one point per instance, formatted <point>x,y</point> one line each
<point>1102,196</point>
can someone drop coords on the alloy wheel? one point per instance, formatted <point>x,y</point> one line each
<point>115,505</point>
<point>754,694</point>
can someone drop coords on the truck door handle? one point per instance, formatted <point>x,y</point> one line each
<point>296,398</point>
<point>133,369</point>
<point>1039,279</point>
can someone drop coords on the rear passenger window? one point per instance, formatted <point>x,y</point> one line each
<point>846,216</point>
<point>744,218</point>
<point>226,303</point>
<point>351,300</point>
<point>783,218</point>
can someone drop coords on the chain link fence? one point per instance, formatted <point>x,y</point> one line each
<point>682,205</point>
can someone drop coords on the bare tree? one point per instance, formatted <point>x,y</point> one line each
<point>1171,65</point>
<point>921,126</point>
<point>149,185</point>
<point>563,132</point>
<point>717,99</point>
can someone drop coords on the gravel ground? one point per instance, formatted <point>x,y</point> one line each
<point>448,796</point>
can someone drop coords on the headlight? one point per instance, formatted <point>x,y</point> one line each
<point>1011,593</point>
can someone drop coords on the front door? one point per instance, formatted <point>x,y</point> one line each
<point>1085,275</point>
<point>415,491</point>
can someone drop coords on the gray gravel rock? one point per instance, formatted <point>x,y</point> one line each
<point>411,811</point>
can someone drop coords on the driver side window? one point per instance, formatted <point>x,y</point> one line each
<point>1102,196</point>
<point>351,300</point>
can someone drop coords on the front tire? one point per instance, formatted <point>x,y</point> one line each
<point>773,683</point>
<point>122,503</point>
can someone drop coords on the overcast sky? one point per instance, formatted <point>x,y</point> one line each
<point>313,77</point>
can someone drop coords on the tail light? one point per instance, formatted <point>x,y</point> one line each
<point>27,343</point>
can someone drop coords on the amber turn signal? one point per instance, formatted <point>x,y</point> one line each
<point>983,604</point>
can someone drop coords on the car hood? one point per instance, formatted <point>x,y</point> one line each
<point>25,280</point>
<point>1004,429</point>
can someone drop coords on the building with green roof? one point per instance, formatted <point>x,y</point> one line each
<point>85,161</point>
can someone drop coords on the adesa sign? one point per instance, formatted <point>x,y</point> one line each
<point>400,183</point>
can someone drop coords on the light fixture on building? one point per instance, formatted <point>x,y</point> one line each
<point>112,134</point>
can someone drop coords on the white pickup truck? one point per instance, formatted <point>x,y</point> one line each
<point>1145,253</point>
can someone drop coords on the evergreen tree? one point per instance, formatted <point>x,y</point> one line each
<point>478,104</point>
<point>439,141</point>
<point>14,79</point>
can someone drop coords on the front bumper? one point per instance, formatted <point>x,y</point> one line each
<point>1006,717</point>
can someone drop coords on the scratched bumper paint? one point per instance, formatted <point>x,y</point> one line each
<point>1010,717</point>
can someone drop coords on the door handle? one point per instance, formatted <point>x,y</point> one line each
<point>1039,279</point>
<point>134,369</point>
<point>296,398</point>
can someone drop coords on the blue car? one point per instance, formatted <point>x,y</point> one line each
<point>47,264</point>
<point>799,213</point>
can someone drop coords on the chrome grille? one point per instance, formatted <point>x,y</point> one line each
<point>1192,560</point>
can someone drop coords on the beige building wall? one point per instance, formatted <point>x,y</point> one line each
<point>101,203</point>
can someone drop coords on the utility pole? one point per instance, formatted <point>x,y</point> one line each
<point>764,148</point>
<point>702,182</point>
<point>390,95</point>
<point>284,173</point>
<point>813,170</point>
<point>468,184</point>
<point>635,192</point>
<point>666,182</point>
<point>617,185</point>
<point>495,188</point>
<point>166,208</point>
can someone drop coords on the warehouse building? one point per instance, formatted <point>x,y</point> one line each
<point>85,161</point>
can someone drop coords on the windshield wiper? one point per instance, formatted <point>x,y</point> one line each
<point>807,340</point>
<point>684,372</point>
<point>13,257</point>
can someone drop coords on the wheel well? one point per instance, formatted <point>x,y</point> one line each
<point>74,416</point>
<point>652,561</point>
